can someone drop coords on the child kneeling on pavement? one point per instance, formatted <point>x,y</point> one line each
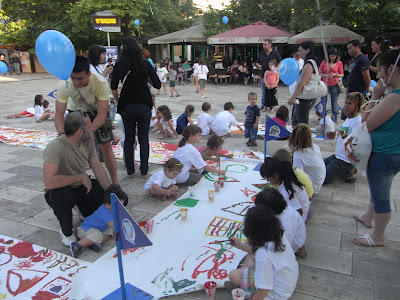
<point>99,226</point>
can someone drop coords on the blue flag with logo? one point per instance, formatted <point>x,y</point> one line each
<point>130,234</point>
<point>274,130</point>
<point>53,94</point>
<point>321,107</point>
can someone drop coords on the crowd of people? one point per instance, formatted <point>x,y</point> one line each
<point>276,225</point>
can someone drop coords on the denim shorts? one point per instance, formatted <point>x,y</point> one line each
<point>380,172</point>
<point>251,132</point>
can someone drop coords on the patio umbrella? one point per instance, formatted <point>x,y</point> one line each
<point>329,34</point>
<point>192,34</point>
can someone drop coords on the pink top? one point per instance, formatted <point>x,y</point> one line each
<point>271,77</point>
<point>279,121</point>
<point>324,69</point>
<point>201,149</point>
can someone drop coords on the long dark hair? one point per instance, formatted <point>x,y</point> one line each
<point>94,54</point>
<point>38,100</point>
<point>271,198</point>
<point>284,169</point>
<point>131,57</point>
<point>308,45</point>
<point>262,226</point>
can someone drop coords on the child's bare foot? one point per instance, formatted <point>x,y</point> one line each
<point>162,197</point>
<point>174,195</point>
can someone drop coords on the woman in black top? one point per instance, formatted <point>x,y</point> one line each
<point>377,47</point>
<point>302,110</point>
<point>134,102</point>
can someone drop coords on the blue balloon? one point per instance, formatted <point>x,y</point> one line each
<point>56,53</point>
<point>137,22</point>
<point>288,70</point>
<point>3,68</point>
<point>373,82</point>
<point>225,19</point>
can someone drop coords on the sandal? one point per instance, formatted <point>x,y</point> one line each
<point>358,217</point>
<point>115,142</point>
<point>351,178</point>
<point>369,242</point>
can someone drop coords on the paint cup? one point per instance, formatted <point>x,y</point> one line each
<point>183,212</point>
<point>149,225</point>
<point>211,195</point>
<point>221,181</point>
<point>142,225</point>
<point>211,288</point>
<point>238,294</point>
<point>191,190</point>
<point>216,186</point>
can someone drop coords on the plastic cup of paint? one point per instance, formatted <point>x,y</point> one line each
<point>183,212</point>
<point>210,288</point>
<point>238,294</point>
<point>216,186</point>
<point>191,190</point>
<point>221,181</point>
<point>149,225</point>
<point>211,195</point>
<point>143,225</point>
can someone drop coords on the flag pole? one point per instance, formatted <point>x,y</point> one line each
<point>265,137</point>
<point>118,244</point>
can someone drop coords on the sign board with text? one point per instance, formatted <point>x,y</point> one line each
<point>106,21</point>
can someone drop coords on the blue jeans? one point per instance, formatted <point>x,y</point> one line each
<point>136,114</point>
<point>250,132</point>
<point>336,169</point>
<point>262,91</point>
<point>302,111</point>
<point>380,172</point>
<point>334,93</point>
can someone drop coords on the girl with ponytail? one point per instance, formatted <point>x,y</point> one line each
<point>280,174</point>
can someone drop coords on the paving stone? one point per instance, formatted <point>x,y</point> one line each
<point>349,198</point>
<point>17,194</point>
<point>332,222</point>
<point>389,252</point>
<point>337,208</point>
<point>47,239</point>
<point>38,201</point>
<point>331,285</point>
<point>299,296</point>
<point>392,232</point>
<point>152,205</point>
<point>323,237</point>
<point>5,149</point>
<point>15,229</point>
<point>324,194</point>
<point>327,259</point>
<point>6,175</point>
<point>47,220</point>
<point>27,170</point>
<point>6,157</point>
<point>35,162</point>
<point>30,182</point>
<point>4,166</point>
<point>387,292</point>
<point>376,269</point>
<point>14,211</point>
<point>221,294</point>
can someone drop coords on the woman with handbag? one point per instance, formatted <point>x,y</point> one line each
<point>308,77</point>
<point>383,122</point>
<point>331,74</point>
<point>134,102</point>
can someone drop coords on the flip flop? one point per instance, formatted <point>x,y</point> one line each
<point>115,142</point>
<point>367,238</point>
<point>358,217</point>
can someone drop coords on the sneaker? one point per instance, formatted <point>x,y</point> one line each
<point>177,95</point>
<point>66,240</point>
<point>95,247</point>
<point>38,121</point>
<point>202,97</point>
<point>145,176</point>
<point>74,249</point>
<point>131,175</point>
<point>205,96</point>
<point>171,95</point>
<point>198,91</point>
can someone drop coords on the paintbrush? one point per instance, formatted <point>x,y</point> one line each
<point>216,242</point>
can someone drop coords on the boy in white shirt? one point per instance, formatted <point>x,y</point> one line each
<point>162,73</point>
<point>224,120</point>
<point>329,125</point>
<point>204,120</point>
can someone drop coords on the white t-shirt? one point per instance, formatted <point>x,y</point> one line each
<point>189,156</point>
<point>160,179</point>
<point>294,226</point>
<point>99,69</point>
<point>38,111</point>
<point>153,114</point>
<point>31,110</point>
<point>204,121</point>
<point>222,122</point>
<point>329,124</point>
<point>293,86</point>
<point>351,124</point>
<point>195,65</point>
<point>300,199</point>
<point>165,124</point>
<point>201,71</point>
<point>310,161</point>
<point>276,271</point>
<point>161,72</point>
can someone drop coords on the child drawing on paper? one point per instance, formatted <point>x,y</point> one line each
<point>99,226</point>
<point>271,270</point>
<point>292,223</point>
<point>280,174</point>
<point>185,119</point>
<point>163,183</point>
<point>189,156</point>
<point>213,149</point>
<point>166,122</point>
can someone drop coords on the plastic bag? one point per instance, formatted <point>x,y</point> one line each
<point>358,146</point>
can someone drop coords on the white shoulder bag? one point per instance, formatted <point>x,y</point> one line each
<point>315,87</point>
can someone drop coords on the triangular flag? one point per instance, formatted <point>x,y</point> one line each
<point>274,130</point>
<point>321,107</point>
<point>132,293</point>
<point>130,233</point>
<point>53,94</point>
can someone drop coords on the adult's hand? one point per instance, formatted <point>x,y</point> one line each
<point>291,100</point>
<point>379,89</point>
<point>87,183</point>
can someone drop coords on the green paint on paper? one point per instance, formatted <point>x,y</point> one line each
<point>163,219</point>
<point>181,284</point>
<point>186,202</point>
<point>211,177</point>
<point>236,168</point>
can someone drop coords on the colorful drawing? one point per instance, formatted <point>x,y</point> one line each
<point>262,186</point>
<point>56,288</point>
<point>19,281</point>
<point>186,202</point>
<point>248,192</point>
<point>221,227</point>
<point>176,217</point>
<point>209,261</point>
<point>231,179</point>
<point>239,209</point>
<point>236,168</point>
